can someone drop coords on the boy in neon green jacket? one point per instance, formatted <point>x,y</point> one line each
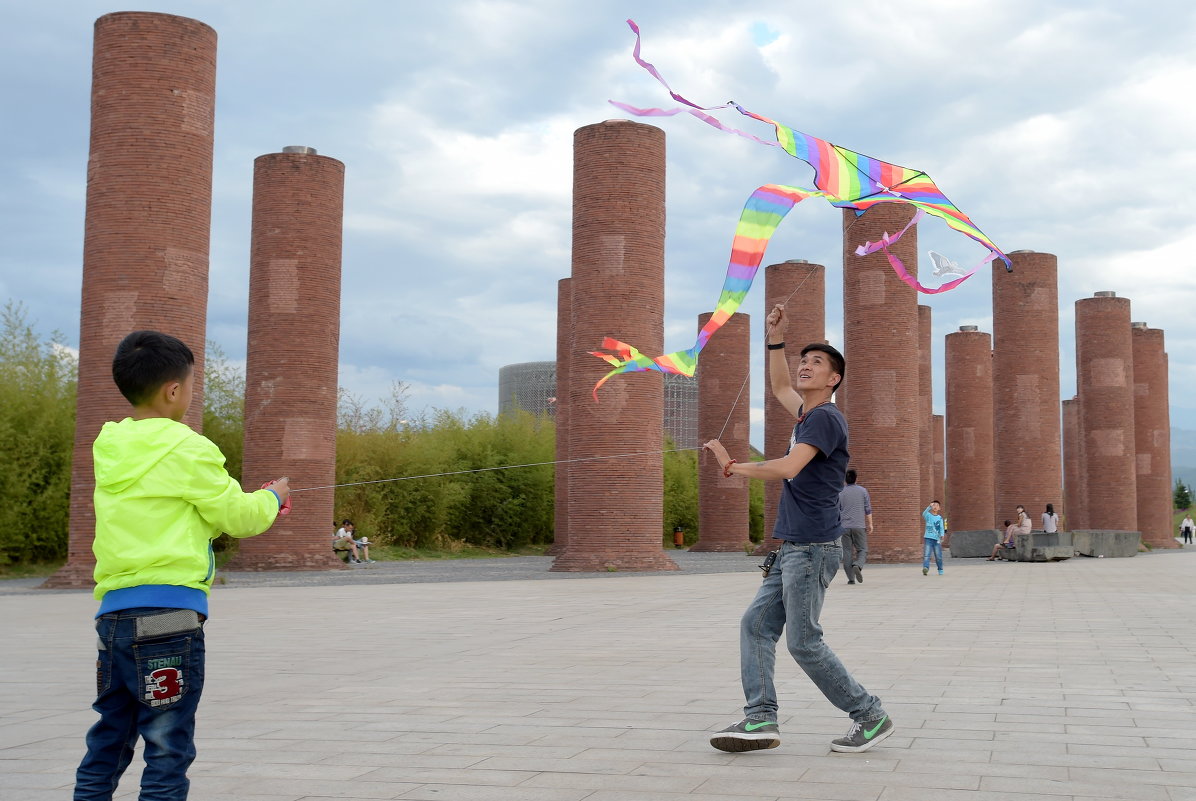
<point>162,495</point>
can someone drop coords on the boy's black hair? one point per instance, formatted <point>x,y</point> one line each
<point>145,360</point>
<point>1008,523</point>
<point>838,365</point>
<point>850,476</point>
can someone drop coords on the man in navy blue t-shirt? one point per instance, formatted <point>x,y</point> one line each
<point>790,598</point>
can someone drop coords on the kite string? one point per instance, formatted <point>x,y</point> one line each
<point>748,374</point>
<point>500,467</point>
<point>563,461</point>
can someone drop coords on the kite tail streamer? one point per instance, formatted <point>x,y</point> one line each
<point>759,219</point>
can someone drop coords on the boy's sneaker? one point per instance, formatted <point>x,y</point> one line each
<point>747,735</point>
<point>940,572</point>
<point>862,736</point>
<point>925,571</point>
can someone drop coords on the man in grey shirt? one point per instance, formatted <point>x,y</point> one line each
<point>855,512</point>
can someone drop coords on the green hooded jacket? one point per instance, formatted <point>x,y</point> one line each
<point>162,495</point>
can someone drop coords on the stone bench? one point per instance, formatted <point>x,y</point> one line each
<point>970,544</point>
<point>1102,542</point>
<point>1037,546</point>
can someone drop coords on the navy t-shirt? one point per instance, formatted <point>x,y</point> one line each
<point>809,509</point>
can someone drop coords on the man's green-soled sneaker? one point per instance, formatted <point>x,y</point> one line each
<point>747,735</point>
<point>862,736</point>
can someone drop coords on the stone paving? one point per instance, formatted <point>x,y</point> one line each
<point>1069,681</point>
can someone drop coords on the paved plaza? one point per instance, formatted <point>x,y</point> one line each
<point>1006,681</point>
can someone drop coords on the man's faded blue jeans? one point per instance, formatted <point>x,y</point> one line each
<point>790,599</point>
<point>146,687</point>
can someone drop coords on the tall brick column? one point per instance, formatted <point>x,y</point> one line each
<point>938,490</point>
<point>1152,436</point>
<point>880,335</point>
<point>1027,450</point>
<point>724,406</point>
<point>1105,378</point>
<point>802,287</point>
<point>291,367</point>
<point>560,486</point>
<point>969,373</point>
<point>146,230</point>
<point>1074,483</point>
<point>925,407</point>
<point>616,506</point>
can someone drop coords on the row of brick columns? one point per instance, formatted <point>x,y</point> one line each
<point>145,266</point>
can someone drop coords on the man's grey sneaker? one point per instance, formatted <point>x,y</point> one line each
<point>747,735</point>
<point>863,735</point>
<point>859,574</point>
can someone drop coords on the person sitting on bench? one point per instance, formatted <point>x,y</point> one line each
<point>343,540</point>
<point>1007,543</point>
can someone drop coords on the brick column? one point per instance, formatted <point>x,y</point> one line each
<point>1074,482</point>
<point>1152,436</point>
<point>724,405</point>
<point>1105,378</point>
<point>969,373</point>
<point>1029,460</point>
<point>880,336</point>
<point>146,230</point>
<point>926,408</point>
<point>291,366</point>
<point>616,506</point>
<point>802,286</point>
<point>938,490</point>
<point>564,346</point>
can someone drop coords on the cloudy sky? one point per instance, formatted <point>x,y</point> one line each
<point>1065,127</point>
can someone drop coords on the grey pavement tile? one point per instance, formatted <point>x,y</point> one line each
<point>840,790</point>
<point>361,788</point>
<point>624,795</point>
<point>1089,786</point>
<point>411,774</point>
<point>477,792</point>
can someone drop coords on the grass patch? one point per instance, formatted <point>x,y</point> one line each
<point>35,570</point>
<point>456,550</point>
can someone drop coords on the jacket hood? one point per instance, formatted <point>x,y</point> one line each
<point>126,451</point>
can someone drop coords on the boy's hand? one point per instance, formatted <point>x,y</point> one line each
<point>282,488</point>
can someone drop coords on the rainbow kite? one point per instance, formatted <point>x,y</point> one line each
<point>845,178</point>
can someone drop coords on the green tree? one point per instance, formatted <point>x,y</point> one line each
<point>224,407</point>
<point>37,430</point>
<point>1183,494</point>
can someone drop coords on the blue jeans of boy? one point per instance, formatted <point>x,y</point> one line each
<point>146,687</point>
<point>929,547</point>
<point>790,600</point>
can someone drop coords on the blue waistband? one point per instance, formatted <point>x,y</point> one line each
<point>161,596</point>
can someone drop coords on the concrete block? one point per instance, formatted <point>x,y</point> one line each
<point>1038,546</point>
<point>1102,542</point>
<point>969,544</point>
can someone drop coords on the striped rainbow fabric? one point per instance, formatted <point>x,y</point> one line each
<point>846,179</point>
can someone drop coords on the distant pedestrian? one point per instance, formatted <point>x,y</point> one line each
<point>1186,528</point>
<point>1050,520</point>
<point>932,537</point>
<point>855,513</point>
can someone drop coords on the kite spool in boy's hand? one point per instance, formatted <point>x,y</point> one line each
<point>285,502</point>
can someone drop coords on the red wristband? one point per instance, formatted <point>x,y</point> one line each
<point>727,469</point>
